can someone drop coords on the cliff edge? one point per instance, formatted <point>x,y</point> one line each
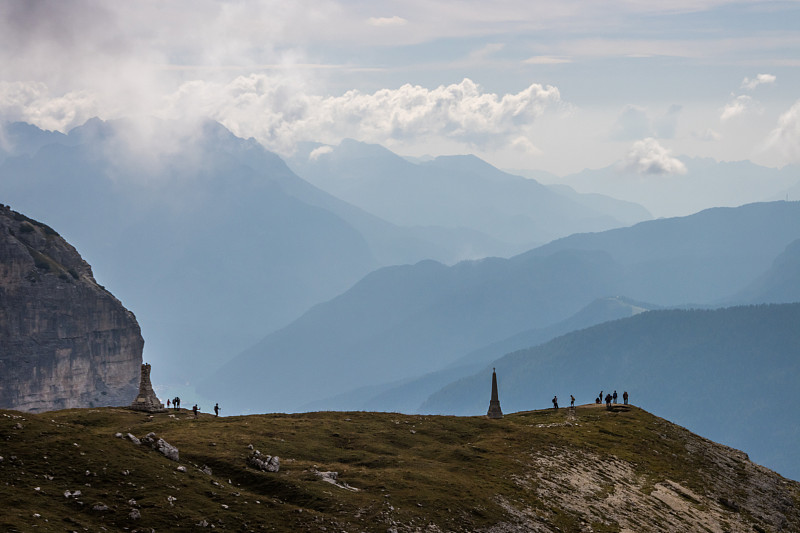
<point>65,341</point>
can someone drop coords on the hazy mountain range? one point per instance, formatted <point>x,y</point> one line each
<point>402,322</point>
<point>212,240</point>
<point>458,192</point>
<point>705,183</point>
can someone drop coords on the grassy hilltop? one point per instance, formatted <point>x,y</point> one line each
<point>584,470</point>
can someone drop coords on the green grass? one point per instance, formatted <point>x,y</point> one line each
<point>412,471</point>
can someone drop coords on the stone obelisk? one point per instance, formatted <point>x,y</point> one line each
<point>147,399</point>
<point>494,403</point>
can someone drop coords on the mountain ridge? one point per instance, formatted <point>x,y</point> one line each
<point>547,471</point>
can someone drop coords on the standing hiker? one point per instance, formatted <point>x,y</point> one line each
<point>615,396</point>
<point>625,397</point>
<point>216,409</point>
<point>571,400</point>
<point>555,402</point>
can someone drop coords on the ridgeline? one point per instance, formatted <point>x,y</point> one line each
<point>583,470</point>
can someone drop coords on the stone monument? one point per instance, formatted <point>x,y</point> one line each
<point>147,399</point>
<point>494,403</point>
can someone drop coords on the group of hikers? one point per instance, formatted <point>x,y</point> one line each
<point>609,398</point>
<point>176,404</point>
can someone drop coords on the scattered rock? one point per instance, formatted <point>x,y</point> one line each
<point>181,468</point>
<point>333,479</point>
<point>100,507</point>
<point>118,435</point>
<point>206,470</point>
<point>172,500</point>
<point>134,514</point>
<point>133,439</point>
<point>68,494</point>
<point>17,426</point>
<point>202,523</point>
<point>168,450</point>
<point>266,463</point>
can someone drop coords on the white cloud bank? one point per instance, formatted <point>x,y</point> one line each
<point>649,157</point>
<point>279,114</point>
<point>279,111</point>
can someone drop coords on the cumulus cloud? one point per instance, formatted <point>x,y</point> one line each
<point>761,79</point>
<point>316,153</point>
<point>736,107</point>
<point>278,113</point>
<point>786,137</point>
<point>32,102</point>
<point>649,157</point>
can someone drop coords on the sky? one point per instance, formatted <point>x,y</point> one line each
<point>557,85</point>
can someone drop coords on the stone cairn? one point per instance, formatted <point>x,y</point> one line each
<point>494,403</point>
<point>147,399</point>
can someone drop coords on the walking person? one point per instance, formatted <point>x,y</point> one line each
<point>555,402</point>
<point>194,410</point>
<point>216,409</point>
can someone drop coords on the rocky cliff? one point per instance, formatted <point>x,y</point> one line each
<point>65,341</point>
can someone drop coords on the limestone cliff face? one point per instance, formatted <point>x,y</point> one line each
<point>65,341</point>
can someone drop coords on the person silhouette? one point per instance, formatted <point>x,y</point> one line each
<point>571,400</point>
<point>555,402</point>
<point>216,409</point>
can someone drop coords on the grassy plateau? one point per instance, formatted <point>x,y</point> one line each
<point>582,469</point>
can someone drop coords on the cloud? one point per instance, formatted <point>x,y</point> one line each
<point>786,137</point>
<point>649,157</point>
<point>279,113</point>
<point>32,102</point>
<point>761,79</point>
<point>707,135</point>
<point>666,125</point>
<point>738,106</point>
<point>632,123</point>
<point>635,122</point>
<point>387,21</point>
<point>319,151</point>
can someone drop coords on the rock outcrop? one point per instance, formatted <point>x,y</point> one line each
<point>65,341</point>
